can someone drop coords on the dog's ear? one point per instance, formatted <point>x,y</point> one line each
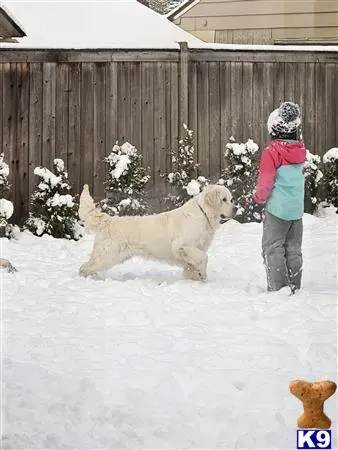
<point>212,197</point>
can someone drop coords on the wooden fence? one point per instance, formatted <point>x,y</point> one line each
<point>76,104</point>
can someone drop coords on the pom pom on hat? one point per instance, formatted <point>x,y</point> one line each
<point>285,119</point>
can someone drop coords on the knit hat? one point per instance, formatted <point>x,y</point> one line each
<point>285,119</point>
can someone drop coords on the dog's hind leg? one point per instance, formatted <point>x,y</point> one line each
<point>102,260</point>
<point>193,260</point>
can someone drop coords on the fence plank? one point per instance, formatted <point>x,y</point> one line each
<point>124,103</point>
<point>225,94</point>
<point>61,113</point>
<point>6,107</point>
<point>320,128</point>
<point>247,101</point>
<point>35,122</point>
<point>331,102</point>
<point>160,150</point>
<point>87,124</point>
<point>147,70</point>
<point>193,108</point>
<point>48,120</point>
<point>1,107</point>
<point>310,109</point>
<point>214,121</point>
<point>175,124</point>
<point>111,106</point>
<point>203,135</point>
<point>258,93</point>
<point>167,118</point>
<point>279,81</point>
<point>290,82</point>
<point>75,151</point>
<point>236,100</point>
<point>268,101</point>
<point>300,94</point>
<point>9,120</point>
<point>99,145</point>
<point>184,83</point>
<point>20,154</point>
<point>135,105</point>
<point>335,129</point>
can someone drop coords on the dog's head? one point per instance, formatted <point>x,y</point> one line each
<point>219,199</point>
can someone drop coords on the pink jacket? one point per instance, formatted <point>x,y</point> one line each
<point>278,153</point>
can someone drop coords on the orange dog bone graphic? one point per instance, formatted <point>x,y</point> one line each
<point>313,396</point>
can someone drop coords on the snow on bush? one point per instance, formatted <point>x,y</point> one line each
<point>184,178</point>
<point>54,210</point>
<point>240,176</point>
<point>6,206</point>
<point>127,179</point>
<point>330,181</point>
<point>313,180</point>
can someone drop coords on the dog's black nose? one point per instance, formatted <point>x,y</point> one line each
<point>222,216</point>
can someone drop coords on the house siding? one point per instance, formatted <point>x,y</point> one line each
<point>261,21</point>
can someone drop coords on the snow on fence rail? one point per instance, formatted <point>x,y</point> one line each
<point>75,104</point>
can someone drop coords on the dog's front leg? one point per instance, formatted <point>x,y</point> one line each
<point>193,260</point>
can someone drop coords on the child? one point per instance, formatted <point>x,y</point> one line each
<point>280,190</point>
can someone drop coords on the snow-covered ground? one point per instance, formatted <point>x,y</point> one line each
<point>143,359</point>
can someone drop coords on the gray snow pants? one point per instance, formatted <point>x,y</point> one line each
<point>282,252</point>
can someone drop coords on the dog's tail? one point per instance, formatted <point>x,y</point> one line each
<point>92,216</point>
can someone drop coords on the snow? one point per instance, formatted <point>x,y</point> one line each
<point>250,147</point>
<point>61,200</point>
<point>4,169</point>
<point>128,149</point>
<point>311,161</point>
<point>275,120</point>
<point>59,163</point>
<point>94,24</point>
<point>47,175</point>
<point>171,177</point>
<point>144,359</point>
<point>6,208</point>
<point>330,155</point>
<point>122,162</point>
<point>193,188</point>
<point>264,47</point>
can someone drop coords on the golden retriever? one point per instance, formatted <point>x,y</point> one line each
<point>180,237</point>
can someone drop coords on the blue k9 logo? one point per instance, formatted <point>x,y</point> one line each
<point>313,439</point>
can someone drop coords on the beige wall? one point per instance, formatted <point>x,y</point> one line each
<point>261,21</point>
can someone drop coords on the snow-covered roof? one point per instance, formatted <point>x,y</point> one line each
<point>264,47</point>
<point>184,6</point>
<point>94,24</point>
<point>9,26</point>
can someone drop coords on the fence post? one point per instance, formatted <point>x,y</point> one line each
<point>184,85</point>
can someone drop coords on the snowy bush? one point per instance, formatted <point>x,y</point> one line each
<point>313,179</point>
<point>240,177</point>
<point>54,210</point>
<point>6,207</point>
<point>127,179</point>
<point>330,181</point>
<point>184,178</point>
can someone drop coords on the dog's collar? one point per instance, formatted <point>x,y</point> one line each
<point>205,214</point>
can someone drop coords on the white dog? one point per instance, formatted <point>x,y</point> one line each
<point>180,237</point>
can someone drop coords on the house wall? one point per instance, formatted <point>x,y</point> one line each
<point>261,21</point>
<point>75,105</point>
